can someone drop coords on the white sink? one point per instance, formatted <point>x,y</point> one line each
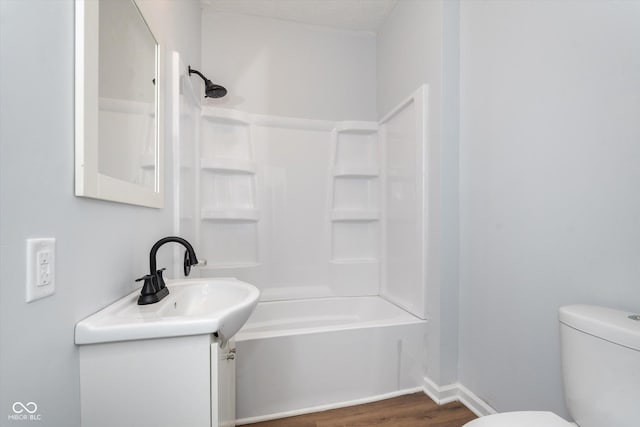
<point>193,307</point>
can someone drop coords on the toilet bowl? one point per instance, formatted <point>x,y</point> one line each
<point>600,368</point>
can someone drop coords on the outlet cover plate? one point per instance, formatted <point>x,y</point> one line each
<point>41,262</point>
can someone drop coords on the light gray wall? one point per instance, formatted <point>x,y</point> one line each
<point>288,69</point>
<point>449,194</point>
<point>409,53</point>
<point>416,45</point>
<point>101,247</point>
<point>549,178</point>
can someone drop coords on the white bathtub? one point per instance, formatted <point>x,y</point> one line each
<point>306,355</point>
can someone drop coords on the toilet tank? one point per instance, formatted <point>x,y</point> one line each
<point>601,365</point>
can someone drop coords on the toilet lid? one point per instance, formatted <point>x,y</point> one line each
<point>520,419</point>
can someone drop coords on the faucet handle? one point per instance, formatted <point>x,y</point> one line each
<point>149,276</point>
<point>188,263</point>
<point>148,288</point>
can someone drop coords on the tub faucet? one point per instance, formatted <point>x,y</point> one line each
<point>154,288</point>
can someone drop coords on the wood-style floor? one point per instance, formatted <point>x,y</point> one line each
<point>412,410</point>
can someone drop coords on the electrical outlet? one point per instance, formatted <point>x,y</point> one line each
<point>41,257</point>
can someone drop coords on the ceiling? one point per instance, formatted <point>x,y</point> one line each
<point>359,15</point>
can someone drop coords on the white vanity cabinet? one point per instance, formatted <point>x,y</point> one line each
<point>164,382</point>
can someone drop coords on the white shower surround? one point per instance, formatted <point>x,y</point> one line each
<point>304,209</point>
<point>291,205</point>
<point>312,208</point>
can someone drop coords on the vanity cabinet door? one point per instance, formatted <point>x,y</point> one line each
<point>147,383</point>
<point>223,384</point>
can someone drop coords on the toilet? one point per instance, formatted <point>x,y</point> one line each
<point>601,372</point>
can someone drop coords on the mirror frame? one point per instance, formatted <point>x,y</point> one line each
<point>89,182</point>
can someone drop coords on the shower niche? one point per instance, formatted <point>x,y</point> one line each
<point>355,188</point>
<point>228,208</point>
<point>355,206</point>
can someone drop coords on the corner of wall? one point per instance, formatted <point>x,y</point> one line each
<point>457,392</point>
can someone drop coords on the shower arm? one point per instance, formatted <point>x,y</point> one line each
<point>192,71</point>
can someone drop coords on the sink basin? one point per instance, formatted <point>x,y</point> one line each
<point>193,307</point>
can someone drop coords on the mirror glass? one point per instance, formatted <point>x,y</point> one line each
<point>126,90</point>
<point>118,142</point>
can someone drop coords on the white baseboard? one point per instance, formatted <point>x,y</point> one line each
<point>327,407</point>
<point>456,391</point>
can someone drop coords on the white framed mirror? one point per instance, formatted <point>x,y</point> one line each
<point>118,141</point>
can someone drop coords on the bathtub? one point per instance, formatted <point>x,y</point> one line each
<point>301,356</point>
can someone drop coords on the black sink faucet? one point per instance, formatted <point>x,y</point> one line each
<point>154,288</point>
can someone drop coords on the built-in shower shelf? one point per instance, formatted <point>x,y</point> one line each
<point>356,171</point>
<point>359,215</point>
<point>229,165</point>
<point>238,214</point>
<point>357,128</point>
<point>223,115</point>
<point>354,205</point>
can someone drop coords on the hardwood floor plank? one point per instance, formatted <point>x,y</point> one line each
<point>411,410</point>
